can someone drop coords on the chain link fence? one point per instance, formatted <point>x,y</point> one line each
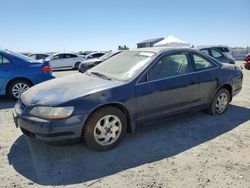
<point>239,54</point>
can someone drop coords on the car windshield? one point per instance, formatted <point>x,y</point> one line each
<point>124,66</point>
<point>106,56</point>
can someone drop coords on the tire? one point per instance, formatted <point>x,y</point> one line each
<point>105,129</point>
<point>77,65</point>
<point>16,88</point>
<point>220,102</point>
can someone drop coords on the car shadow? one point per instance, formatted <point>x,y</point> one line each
<point>53,165</point>
<point>6,102</point>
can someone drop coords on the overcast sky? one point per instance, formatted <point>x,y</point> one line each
<point>74,25</point>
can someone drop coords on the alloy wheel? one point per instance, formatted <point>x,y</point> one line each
<point>19,88</point>
<point>221,103</point>
<point>107,130</point>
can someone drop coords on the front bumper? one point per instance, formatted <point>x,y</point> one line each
<point>59,130</point>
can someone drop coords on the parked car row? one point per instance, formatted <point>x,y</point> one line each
<point>60,61</point>
<point>90,63</point>
<point>96,106</point>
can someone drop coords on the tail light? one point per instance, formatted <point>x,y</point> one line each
<point>47,69</point>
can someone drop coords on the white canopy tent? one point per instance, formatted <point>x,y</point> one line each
<point>172,41</point>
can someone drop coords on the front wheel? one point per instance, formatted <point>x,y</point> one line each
<point>77,65</point>
<point>105,128</point>
<point>220,102</point>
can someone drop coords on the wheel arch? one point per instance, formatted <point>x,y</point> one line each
<point>15,79</point>
<point>229,88</point>
<point>121,107</point>
<point>78,62</point>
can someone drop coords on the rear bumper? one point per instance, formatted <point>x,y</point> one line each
<point>44,76</point>
<point>62,130</point>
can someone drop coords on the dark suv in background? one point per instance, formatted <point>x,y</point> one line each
<point>217,54</point>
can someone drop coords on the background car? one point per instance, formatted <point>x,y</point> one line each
<point>87,64</point>
<point>247,62</point>
<point>217,54</point>
<point>18,73</point>
<point>224,49</point>
<point>64,61</point>
<point>133,87</point>
<point>93,55</point>
<point>39,56</point>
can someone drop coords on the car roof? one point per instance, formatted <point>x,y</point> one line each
<point>39,54</point>
<point>4,51</point>
<point>212,46</point>
<point>159,49</point>
<point>62,53</point>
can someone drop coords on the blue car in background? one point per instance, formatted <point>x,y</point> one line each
<point>18,73</point>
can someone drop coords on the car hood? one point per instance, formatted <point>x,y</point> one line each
<point>61,90</point>
<point>90,61</point>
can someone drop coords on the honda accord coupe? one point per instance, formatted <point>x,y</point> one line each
<point>112,98</point>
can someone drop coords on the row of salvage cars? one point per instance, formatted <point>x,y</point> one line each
<point>105,102</point>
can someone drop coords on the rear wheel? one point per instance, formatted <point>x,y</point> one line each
<point>220,102</point>
<point>17,87</point>
<point>105,129</point>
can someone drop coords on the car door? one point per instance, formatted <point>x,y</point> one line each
<point>57,61</point>
<point>169,86</point>
<point>207,72</point>
<point>6,71</point>
<point>70,60</point>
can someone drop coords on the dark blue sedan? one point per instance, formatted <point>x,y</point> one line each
<point>107,101</point>
<point>18,73</point>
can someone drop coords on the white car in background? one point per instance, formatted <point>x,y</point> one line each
<point>65,61</point>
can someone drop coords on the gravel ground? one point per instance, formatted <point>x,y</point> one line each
<point>189,150</point>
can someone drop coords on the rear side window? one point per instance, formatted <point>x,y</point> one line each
<point>216,53</point>
<point>69,56</point>
<point>56,57</point>
<point>33,56</point>
<point>223,49</point>
<point>41,56</point>
<point>3,60</point>
<point>169,65</point>
<point>201,63</point>
<point>205,51</point>
<point>97,55</point>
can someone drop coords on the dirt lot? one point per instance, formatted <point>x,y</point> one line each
<point>189,150</point>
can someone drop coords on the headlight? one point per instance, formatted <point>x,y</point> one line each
<point>51,112</point>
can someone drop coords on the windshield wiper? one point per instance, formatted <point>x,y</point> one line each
<point>101,75</point>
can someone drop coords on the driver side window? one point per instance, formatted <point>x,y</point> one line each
<point>168,66</point>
